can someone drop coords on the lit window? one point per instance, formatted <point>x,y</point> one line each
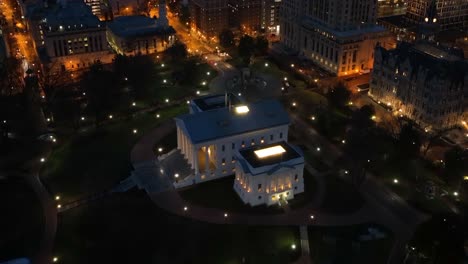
<point>223,162</point>
<point>252,142</point>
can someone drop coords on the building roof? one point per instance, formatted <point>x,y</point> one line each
<point>255,165</point>
<point>439,61</point>
<point>399,21</point>
<point>215,101</point>
<point>137,26</point>
<point>224,122</point>
<point>71,15</point>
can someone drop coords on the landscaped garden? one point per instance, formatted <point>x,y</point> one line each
<point>96,160</point>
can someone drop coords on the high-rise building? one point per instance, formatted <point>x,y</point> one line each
<point>451,14</point>
<point>338,35</point>
<point>424,82</point>
<point>270,12</point>
<point>390,8</point>
<point>245,15</point>
<point>209,17</point>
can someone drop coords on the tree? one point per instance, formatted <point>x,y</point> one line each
<point>137,72</point>
<point>409,142</point>
<point>177,52</point>
<point>226,38</point>
<point>246,48</point>
<point>99,85</point>
<point>439,240</point>
<point>339,96</point>
<point>362,118</point>
<point>261,45</point>
<point>184,16</point>
<point>455,161</point>
<point>10,76</point>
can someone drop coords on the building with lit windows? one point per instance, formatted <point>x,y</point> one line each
<point>245,15</point>
<point>209,17</point>
<point>71,37</point>
<point>268,174</point>
<point>132,35</point>
<point>339,36</point>
<point>451,14</point>
<point>222,136</point>
<point>270,13</point>
<point>424,82</point>
<point>390,8</point>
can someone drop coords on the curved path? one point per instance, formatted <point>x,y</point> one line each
<point>375,210</point>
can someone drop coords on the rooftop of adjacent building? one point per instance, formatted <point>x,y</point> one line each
<point>229,121</point>
<point>270,154</point>
<point>312,24</point>
<point>445,62</point>
<point>137,26</point>
<point>215,101</point>
<point>65,16</point>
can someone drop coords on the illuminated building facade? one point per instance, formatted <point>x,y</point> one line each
<point>451,14</point>
<point>132,35</point>
<point>270,13</point>
<point>213,137</point>
<point>268,174</point>
<point>390,8</point>
<point>245,15</point>
<point>209,17</point>
<point>339,36</point>
<point>423,82</point>
<point>73,38</point>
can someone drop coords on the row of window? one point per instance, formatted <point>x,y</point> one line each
<point>252,142</point>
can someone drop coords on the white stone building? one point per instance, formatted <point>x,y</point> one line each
<point>269,174</point>
<point>211,136</point>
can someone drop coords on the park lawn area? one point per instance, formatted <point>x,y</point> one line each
<point>340,245</point>
<point>159,90</point>
<point>98,159</point>
<point>129,228</point>
<point>220,194</point>
<point>341,197</point>
<point>21,223</point>
<point>310,189</point>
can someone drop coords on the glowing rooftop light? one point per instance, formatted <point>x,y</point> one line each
<point>271,151</point>
<point>242,109</point>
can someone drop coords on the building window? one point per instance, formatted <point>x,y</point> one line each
<point>260,187</point>
<point>281,135</point>
<point>296,178</point>
<point>295,187</point>
<point>243,144</point>
<point>260,197</point>
<point>233,160</point>
<point>233,145</point>
<point>252,142</point>
<point>223,161</point>
<point>272,137</point>
<point>262,140</point>
<point>222,148</point>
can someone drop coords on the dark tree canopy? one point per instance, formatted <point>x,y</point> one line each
<point>246,48</point>
<point>339,96</point>
<point>177,52</point>
<point>409,142</point>
<point>184,15</point>
<point>137,70</point>
<point>439,240</point>
<point>456,165</point>
<point>226,38</point>
<point>261,45</point>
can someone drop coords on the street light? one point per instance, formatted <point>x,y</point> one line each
<point>198,92</point>
<point>225,215</point>
<point>42,159</point>
<point>110,116</point>
<point>135,131</point>
<point>455,193</point>
<point>167,100</point>
<point>55,259</point>
<point>162,65</point>
<point>59,206</point>
<point>185,208</point>
<point>395,181</point>
<point>318,149</point>
<point>57,198</point>
<point>83,118</point>
<point>266,64</point>
<point>313,118</point>
<point>312,217</point>
<point>157,116</point>
<point>176,175</point>
<point>160,149</point>
<point>133,104</point>
<point>293,246</point>
<point>343,141</point>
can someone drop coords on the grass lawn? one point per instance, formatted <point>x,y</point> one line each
<point>98,159</point>
<point>340,245</point>
<point>159,90</point>
<point>341,197</point>
<point>310,189</point>
<point>220,194</point>
<point>129,228</point>
<point>21,223</point>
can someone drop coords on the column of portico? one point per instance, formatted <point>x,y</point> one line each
<point>195,160</point>
<point>207,161</point>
